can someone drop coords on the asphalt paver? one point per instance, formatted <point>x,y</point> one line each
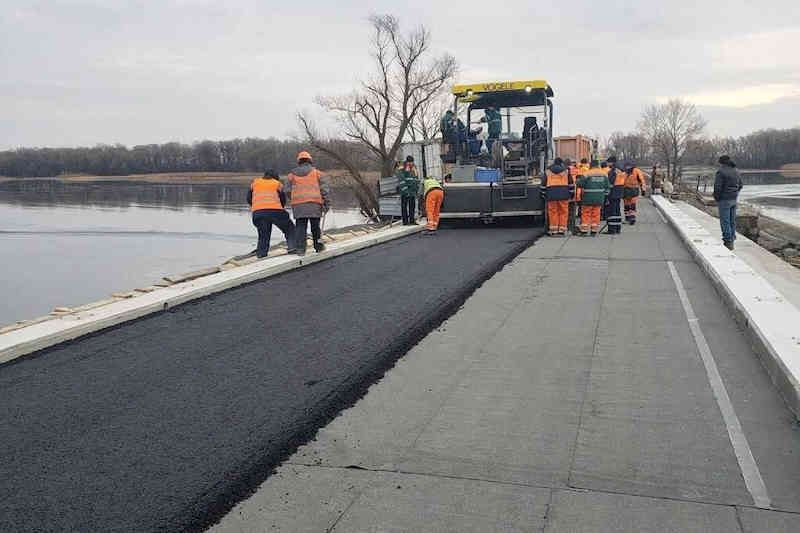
<point>164,423</point>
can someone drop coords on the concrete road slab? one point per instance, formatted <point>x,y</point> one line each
<point>297,498</point>
<point>592,512</point>
<point>400,503</point>
<point>763,521</point>
<point>669,459</point>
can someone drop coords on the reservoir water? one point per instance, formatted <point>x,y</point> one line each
<point>67,244</point>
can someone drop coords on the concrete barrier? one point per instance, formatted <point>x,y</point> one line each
<point>42,335</point>
<point>771,322</point>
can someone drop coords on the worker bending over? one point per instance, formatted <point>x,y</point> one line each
<point>267,201</point>
<point>408,187</point>
<point>309,198</point>
<point>634,182</point>
<point>616,180</point>
<point>433,193</point>
<point>594,188</point>
<point>558,188</point>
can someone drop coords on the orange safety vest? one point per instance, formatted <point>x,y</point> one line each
<point>574,172</point>
<point>306,188</point>
<point>265,194</point>
<point>635,179</point>
<point>559,185</point>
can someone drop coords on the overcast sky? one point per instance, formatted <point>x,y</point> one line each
<point>87,72</point>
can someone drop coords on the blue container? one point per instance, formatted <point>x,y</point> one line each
<point>486,175</point>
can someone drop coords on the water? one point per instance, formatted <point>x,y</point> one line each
<point>67,244</point>
<point>780,201</point>
<point>775,194</point>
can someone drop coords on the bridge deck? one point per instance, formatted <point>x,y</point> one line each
<point>570,394</point>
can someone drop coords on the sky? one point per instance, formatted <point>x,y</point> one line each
<point>78,73</point>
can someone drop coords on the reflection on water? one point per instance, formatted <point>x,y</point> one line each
<point>66,244</point>
<point>779,201</point>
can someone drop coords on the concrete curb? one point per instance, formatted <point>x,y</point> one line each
<point>35,337</point>
<point>769,319</point>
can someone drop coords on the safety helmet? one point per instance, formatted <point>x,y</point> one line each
<point>303,155</point>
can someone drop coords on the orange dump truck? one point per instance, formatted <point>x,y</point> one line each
<point>575,148</point>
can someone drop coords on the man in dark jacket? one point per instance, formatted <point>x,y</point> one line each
<point>727,185</point>
<point>408,187</point>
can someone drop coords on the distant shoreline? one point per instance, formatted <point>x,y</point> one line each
<point>337,178</point>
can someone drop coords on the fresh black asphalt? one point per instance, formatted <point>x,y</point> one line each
<point>164,423</point>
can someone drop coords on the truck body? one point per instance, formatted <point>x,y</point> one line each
<point>575,147</point>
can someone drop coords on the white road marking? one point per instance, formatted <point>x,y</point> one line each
<point>747,463</point>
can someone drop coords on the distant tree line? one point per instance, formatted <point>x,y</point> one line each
<point>765,149</point>
<point>237,155</point>
<point>671,135</point>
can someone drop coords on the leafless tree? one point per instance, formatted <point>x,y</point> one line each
<point>351,160</point>
<point>631,146</point>
<point>669,128</point>
<point>406,78</point>
<point>425,124</point>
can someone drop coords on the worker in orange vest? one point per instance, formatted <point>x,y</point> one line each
<point>634,183</point>
<point>433,194</point>
<point>267,201</point>
<point>309,198</point>
<point>575,171</point>
<point>557,188</point>
<point>616,179</point>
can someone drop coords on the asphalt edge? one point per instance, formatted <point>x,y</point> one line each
<point>36,337</point>
<point>772,352</point>
<point>352,390</point>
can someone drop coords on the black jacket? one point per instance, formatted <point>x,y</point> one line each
<point>727,184</point>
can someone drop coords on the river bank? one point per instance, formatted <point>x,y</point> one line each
<point>67,243</point>
<point>338,178</point>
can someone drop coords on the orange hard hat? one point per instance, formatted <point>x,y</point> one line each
<point>303,155</point>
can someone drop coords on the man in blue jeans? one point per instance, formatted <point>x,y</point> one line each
<point>727,185</point>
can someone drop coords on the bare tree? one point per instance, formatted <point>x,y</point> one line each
<point>670,128</point>
<point>632,146</point>
<point>406,78</point>
<point>425,124</point>
<point>351,160</point>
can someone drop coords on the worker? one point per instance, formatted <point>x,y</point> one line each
<point>572,170</point>
<point>557,189</point>
<point>616,180</point>
<point>604,166</point>
<point>727,185</point>
<point>408,188</point>
<point>309,198</point>
<point>584,166</point>
<point>454,132</point>
<point>594,186</point>
<point>494,119</point>
<point>634,183</point>
<point>267,201</point>
<point>433,193</point>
